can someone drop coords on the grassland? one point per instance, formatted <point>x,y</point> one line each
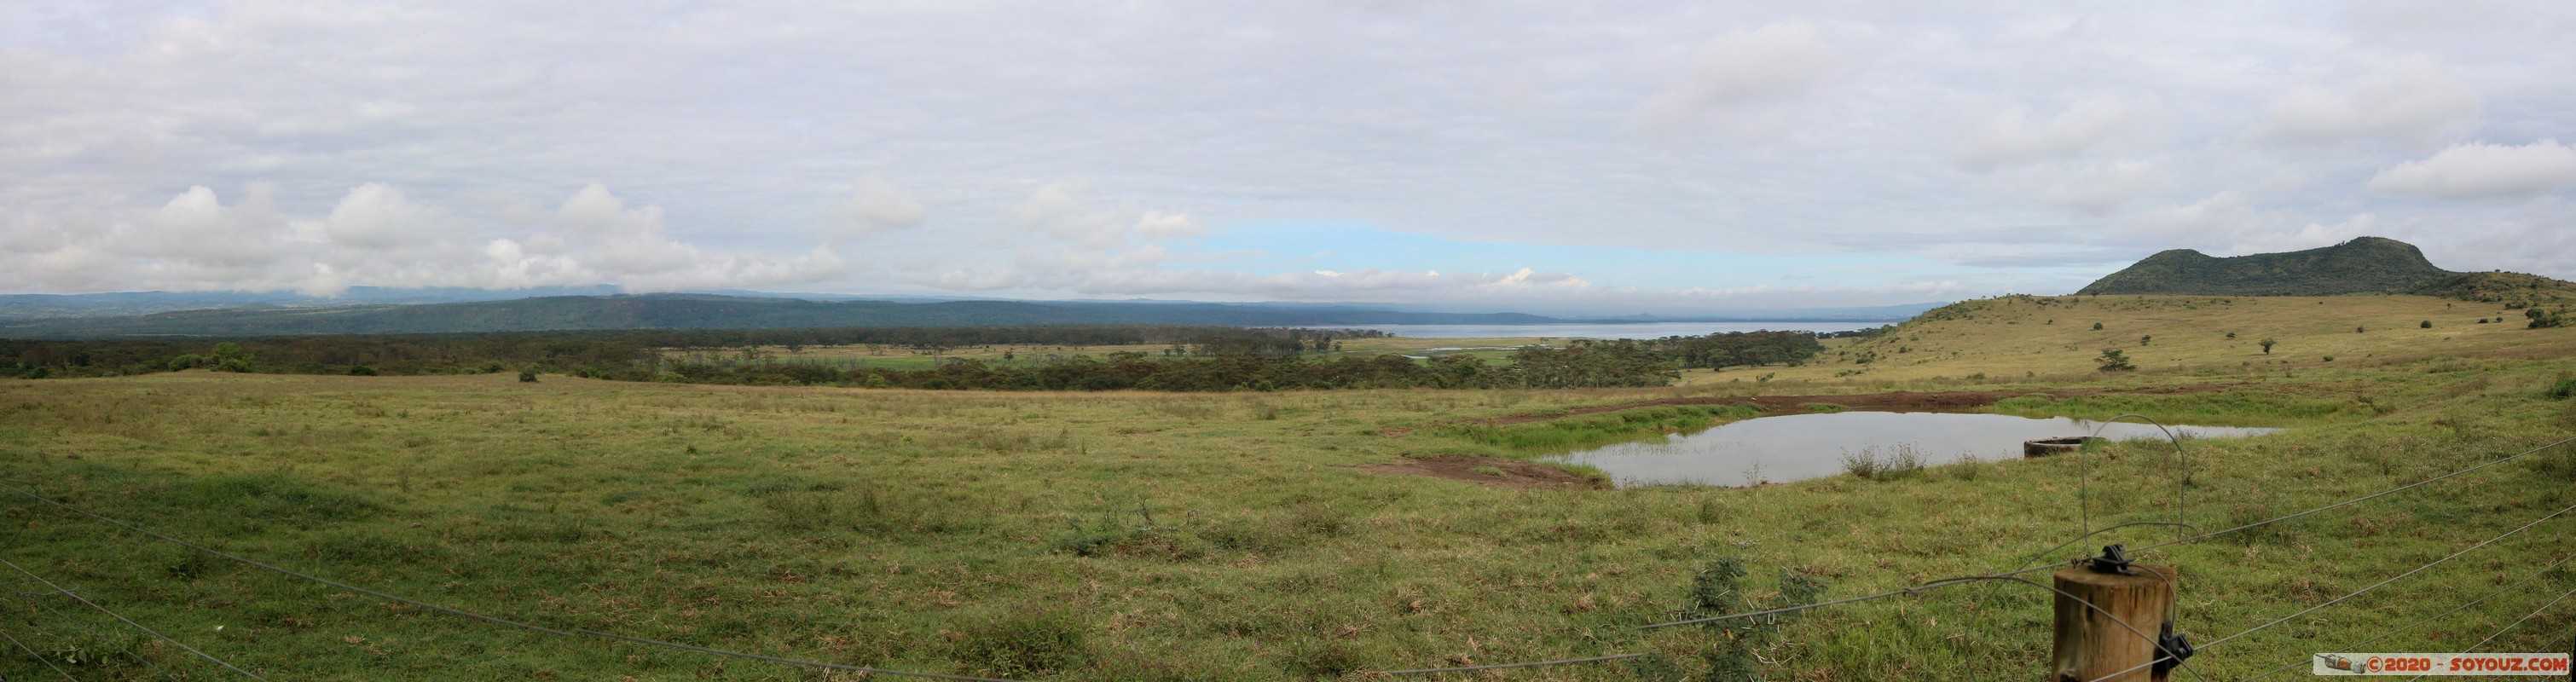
<point>1139,536</point>
<point>881,356</point>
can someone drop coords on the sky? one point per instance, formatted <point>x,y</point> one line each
<point>1611,157</point>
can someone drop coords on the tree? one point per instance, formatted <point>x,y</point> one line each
<point>2266,344</point>
<point>2544,319</point>
<point>2144,339</point>
<point>2114,361</point>
<point>2097,326</point>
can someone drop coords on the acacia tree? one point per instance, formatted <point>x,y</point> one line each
<point>2266,343</point>
<point>2114,361</point>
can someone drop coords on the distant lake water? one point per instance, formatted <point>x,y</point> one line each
<point>1636,330</point>
<point>1803,446</point>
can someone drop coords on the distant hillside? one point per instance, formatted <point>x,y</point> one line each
<point>2364,265</point>
<point>2514,289</point>
<point>693,311</point>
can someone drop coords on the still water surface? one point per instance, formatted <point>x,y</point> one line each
<point>1802,446</point>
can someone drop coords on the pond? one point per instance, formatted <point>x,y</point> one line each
<point>1803,446</point>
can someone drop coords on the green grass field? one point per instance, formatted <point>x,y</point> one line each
<point>1138,536</point>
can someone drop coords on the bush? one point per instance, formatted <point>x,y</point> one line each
<point>361,371</point>
<point>2113,360</point>
<point>2097,326</point>
<point>2427,324</point>
<point>2564,389</point>
<point>1024,642</point>
<point>527,376</point>
<point>2544,319</point>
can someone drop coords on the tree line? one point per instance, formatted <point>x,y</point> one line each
<point>1197,359</point>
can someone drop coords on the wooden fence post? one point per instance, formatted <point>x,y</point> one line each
<point>2090,644</point>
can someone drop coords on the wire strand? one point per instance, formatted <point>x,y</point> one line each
<point>2535,575</point>
<point>2359,592</point>
<point>2391,491</point>
<point>129,621</point>
<point>486,618</point>
<point>40,658</point>
<point>1531,664</point>
<point>2508,627</point>
<point>2084,479</point>
<point>85,629</point>
<point>1947,581</point>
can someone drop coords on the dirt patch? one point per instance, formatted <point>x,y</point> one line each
<point>1513,473</point>
<point>1900,401</point>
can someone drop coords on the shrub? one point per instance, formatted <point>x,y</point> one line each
<point>527,376</point>
<point>2564,389</point>
<point>361,371</point>
<point>2097,326</point>
<point>1317,519</point>
<point>2113,360</point>
<point>2544,319</point>
<point>1024,642</point>
<point>2427,324</point>
<point>2266,343</point>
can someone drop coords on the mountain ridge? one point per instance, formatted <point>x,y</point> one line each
<point>2362,265</point>
<point>709,311</point>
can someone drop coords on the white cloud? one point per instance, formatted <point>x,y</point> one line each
<point>594,210</point>
<point>373,236</point>
<point>2412,101</point>
<point>2009,136</point>
<point>2101,187</point>
<point>1360,284</point>
<point>1731,75</point>
<point>1510,132</point>
<point>2218,215</point>
<point>2484,171</point>
<point>376,215</point>
<point>2313,235</point>
<point>1064,210</point>
<point>874,205</point>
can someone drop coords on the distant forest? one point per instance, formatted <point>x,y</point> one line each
<point>1195,358</point>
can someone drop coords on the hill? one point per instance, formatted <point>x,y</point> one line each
<point>2366,265</point>
<point>696,311</point>
<point>2054,338</point>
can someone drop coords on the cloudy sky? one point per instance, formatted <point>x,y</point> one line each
<point>1612,156</point>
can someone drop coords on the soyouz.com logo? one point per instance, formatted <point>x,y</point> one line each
<point>2439,664</point>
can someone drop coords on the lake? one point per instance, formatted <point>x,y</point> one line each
<point>1803,446</point>
<point>1636,330</point>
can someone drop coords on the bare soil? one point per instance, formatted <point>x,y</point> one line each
<point>1515,473</point>
<point>1900,401</point>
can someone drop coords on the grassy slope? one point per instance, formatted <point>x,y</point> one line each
<point>929,529</point>
<point>2052,338</point>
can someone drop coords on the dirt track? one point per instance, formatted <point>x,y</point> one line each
<point>1900,401</point>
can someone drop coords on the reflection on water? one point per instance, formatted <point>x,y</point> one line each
<point>1802,446</point>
